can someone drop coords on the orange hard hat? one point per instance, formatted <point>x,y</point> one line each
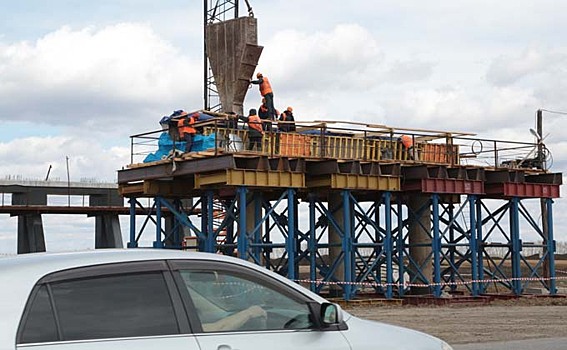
<point>258,75</point>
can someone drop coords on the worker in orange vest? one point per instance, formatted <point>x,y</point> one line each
<point>407,142</point>
<point>186,126</point>
<point>264,114</point>
<point>267,93</point>
<point>255,130</point>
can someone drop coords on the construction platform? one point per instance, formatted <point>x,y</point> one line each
<point>357,208</point>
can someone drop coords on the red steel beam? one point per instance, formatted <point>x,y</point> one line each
<point>445,186</point>
<point>526,190</point>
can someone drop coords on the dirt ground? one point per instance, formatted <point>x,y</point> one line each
<point>501,320</point>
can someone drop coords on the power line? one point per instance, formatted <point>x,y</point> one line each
<point>554,112</point>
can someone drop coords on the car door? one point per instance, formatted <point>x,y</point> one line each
<point>236,308</point>
<point>115,306</point>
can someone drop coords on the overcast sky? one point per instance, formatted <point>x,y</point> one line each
<point>77,78</point>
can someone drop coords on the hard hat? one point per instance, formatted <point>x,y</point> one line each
<point>289,109</point>
<point>259,75</point>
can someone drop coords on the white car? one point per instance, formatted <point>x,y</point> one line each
<point>161,299</point>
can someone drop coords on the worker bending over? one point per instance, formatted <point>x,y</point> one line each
<point>267,94</point>
<point>255,131</point>
<point>407,142</point>
<point>186,126</point>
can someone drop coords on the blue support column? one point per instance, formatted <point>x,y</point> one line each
<point>479,246</point>
<point>452,246</point>
<point>388,244</point>
<point>400,249</point>
<point>473,245</point>
<point>312,244</point>
<point>258,231</point>
<point>436,246</point>
<point>516,245</point>
<point>132,243</point>
<point>207,225</point>
<point>551,247</point>
<point>347,245</point>
<point>242,245</point>
<point>291,240</point>
<point>158,243</point>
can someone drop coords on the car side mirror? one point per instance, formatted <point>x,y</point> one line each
<point>326,315</point>
<point>331,314</point>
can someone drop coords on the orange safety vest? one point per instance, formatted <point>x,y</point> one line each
<point>185,125</point>
<point>265,87</point>
<point>407,141</point>
<point>254,122</point>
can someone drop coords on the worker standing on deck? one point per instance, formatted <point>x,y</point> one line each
<point>407,142</point>
<point>264,114</point>
<point>186,126</point>
<point>267,93</point>
<point>288,119</point>
<point>255,131</point>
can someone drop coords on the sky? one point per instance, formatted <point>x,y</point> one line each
<point>77,78</point>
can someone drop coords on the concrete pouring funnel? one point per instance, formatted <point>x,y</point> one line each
<point>233,55</point>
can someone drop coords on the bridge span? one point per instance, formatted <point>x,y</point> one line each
<point>28,200</point>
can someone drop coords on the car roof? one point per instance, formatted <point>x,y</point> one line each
<point>20,274</point>
<point>41,264</point>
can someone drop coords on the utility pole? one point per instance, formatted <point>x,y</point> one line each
<point>539,127</point>
<point>543,201</point>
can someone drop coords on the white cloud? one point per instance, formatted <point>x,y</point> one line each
<point>122,74</point>
<point>341,58</point>
<point>506,70</point>
<point>31,157</point>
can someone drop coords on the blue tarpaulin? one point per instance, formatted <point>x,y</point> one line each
<point>203,142</point>
<point>165,145</point>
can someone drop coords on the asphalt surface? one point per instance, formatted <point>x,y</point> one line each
<point>539,344</point>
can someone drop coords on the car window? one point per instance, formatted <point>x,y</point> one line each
<point>114,306</point>
<point>228,301</point>
<point>40,323</point>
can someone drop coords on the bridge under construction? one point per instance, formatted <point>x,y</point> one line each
<point>345,208</point>
<point>349,209</point>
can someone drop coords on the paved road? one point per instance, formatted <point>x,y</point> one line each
<point>539,344</point>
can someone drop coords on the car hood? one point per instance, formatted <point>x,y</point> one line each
<point>364,334</point>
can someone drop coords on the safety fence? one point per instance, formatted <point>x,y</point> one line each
<point>404,284</point>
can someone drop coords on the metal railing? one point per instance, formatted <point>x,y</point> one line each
<point>353,141</point>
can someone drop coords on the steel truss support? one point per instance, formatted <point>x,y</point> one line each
<point>366,258</point>
<point>170,238</point>
<point>503,264</point>
<point>467,251</point>
<point>475,245</point>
